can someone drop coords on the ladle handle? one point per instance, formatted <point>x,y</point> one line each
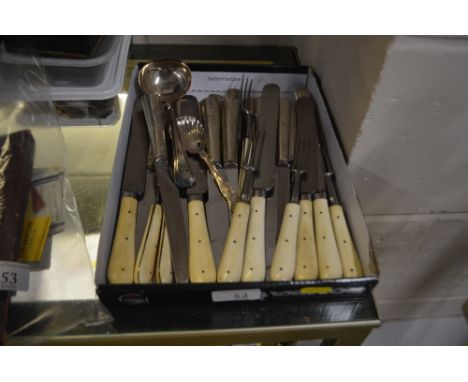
<point>155,121</point>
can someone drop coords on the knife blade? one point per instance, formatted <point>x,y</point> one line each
<point>255,239</point>
<point>122,258</point>
<point>282,169</point>
<point>176,229</point>
<point>202,267</point>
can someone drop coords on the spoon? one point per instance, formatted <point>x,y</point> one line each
<point>194,139</point>
<point>169,80</point>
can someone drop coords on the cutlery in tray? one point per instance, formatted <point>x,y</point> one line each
<point>229,188</point>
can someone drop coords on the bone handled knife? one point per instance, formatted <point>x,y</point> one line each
<point>327,250</point>
<point>306,252</point>
<point>232,266</point>
<point>176,231</point>
<point>285,256</point>
<point>122,258</point>
<point>202,267</point>
<point>254,261</point>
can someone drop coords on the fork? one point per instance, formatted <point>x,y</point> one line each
<point>249,131</point>
<point>284,256</point>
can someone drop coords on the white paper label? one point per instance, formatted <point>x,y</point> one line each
<point>236,295</point>
<point>14,276</point>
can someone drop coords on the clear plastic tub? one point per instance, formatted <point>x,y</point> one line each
<point>102,55</point>
<point>69,83</point>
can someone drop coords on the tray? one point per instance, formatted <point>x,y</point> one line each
<point>217,79</point>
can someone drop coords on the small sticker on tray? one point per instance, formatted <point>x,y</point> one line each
<point>14,276</point>
<point>316,290</point>
<point>236,295</point>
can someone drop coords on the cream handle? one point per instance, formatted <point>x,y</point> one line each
<point>327,250</point>
<point>306,252</point>
<point>165,274</point>
<point>254,260</point>
<point>349,258</point>
<point>284,256</point>
<point>202,267</point>
<point>230,268</point>
<point>122,258</point>
<point>147,253</point>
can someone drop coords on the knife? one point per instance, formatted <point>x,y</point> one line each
<point>153,260</point>
<point>122,257</point>
<point>283,265</point>
<point>232,266</point>
<point>348,254</point>
<point>254,261</point>
<point>282,169</point>
<point>327,250</point>
<point>148,248</point>
<point>202,267</point>
<point>155,122</point>
<point>306,253</point>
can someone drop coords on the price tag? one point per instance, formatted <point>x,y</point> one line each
<point>14,276</point>
<point>236,295</point>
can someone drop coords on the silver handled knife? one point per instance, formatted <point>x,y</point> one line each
<point>254,260</point>
<point>202,267</point>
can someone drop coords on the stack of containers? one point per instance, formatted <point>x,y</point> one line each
<point>77,85</point>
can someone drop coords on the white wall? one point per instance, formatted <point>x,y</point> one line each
<point>401,108</point>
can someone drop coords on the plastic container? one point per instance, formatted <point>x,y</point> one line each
<point>73,83</point>
<point>102,55</point>
<point>105,83</point>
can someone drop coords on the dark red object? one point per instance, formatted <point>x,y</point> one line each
<point>16,164</point>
